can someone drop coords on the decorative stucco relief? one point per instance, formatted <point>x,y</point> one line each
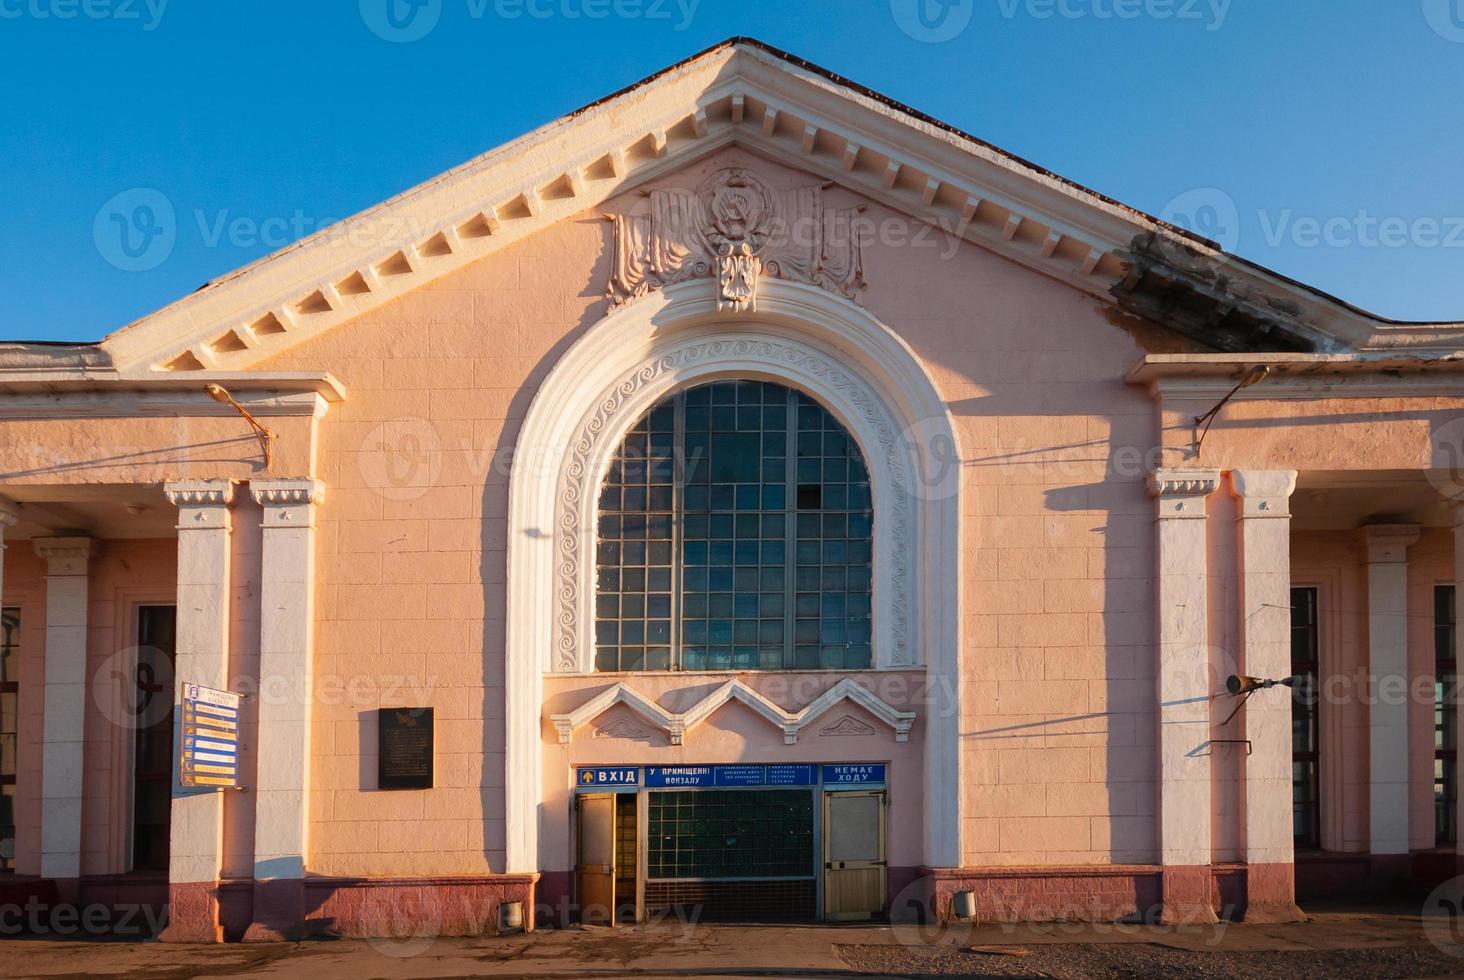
<point>887,460</point>
<point>676,723</point>
<point>734,228</point>
<point>847,725</point>
<point>623,728</point>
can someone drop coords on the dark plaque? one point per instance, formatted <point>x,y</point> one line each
<point>404,748</point>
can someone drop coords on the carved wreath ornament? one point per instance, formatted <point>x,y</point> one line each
<point>735,229</point>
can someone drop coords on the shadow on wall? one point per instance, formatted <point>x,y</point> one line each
<point>494,564</point>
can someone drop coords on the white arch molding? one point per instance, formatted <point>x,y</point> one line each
<point>801,336</point>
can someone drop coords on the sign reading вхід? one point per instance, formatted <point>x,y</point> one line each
<point>208,750</point>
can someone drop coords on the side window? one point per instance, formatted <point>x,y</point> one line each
<point>9,730</point>
<point>1305,758</point>
<point>1446,750</point>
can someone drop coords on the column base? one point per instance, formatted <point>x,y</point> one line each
<point>279,912</point>
<point>68,891</point>
<point>1186,896</point>
<point>1270,894</point>
<point>193,913</point>
<point>1390,874</point>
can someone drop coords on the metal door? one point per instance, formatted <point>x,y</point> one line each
<point>595,866</point>
<point>854,854</point>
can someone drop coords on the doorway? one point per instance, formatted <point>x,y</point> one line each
<point>607,861</point>
<point>854,855</point>
<point>152,757</point>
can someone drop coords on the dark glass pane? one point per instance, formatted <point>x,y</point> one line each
<point>696,553</point>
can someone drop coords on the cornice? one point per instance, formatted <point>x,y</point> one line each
<point>1302,377</point>
<point>59,395</point>
<point>740,93</point>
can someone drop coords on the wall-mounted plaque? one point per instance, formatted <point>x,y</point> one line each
<point>404,748</point>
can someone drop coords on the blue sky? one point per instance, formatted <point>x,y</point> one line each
<point>1321,140</point>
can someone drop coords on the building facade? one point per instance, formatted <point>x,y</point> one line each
<point>746,494</point>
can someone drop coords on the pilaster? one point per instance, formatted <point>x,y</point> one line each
<point>63,723</point>
<point>282,798</point>
<point>196,834</point>
<point>1183,677</point>
<point>1387,636</point>
<point>1263,552</point>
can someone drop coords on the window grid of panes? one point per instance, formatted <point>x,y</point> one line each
<point>9,730</point>
<point>1305,785</point>
<point>712,834</point>
<point>735,532</point>
<point>1446,783</point>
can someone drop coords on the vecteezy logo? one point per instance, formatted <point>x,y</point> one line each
<point>1446,17</point>
<point>932,21</point>
<point>1206,211</point>
<point>400,458</point>
<point>1446,462</point>
<point>136,230</point>
<point>400,21</point>
<point>1443,916</point>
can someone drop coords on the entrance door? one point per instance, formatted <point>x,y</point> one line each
<point>854,854</point>
<point>152,760</point>
<point>595,867</point>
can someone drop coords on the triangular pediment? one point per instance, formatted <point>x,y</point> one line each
<point>743,94</point>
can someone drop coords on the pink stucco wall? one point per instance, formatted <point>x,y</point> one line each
<point>1058,554</point>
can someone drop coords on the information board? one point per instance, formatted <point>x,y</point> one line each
<point>208,733</point>
<point>404,740</point>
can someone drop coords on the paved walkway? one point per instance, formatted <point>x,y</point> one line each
<point>674,949</point>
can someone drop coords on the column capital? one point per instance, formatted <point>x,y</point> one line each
<point>64,556</point>
<point>1181,491</point>
<point>287,492</point>
<point>1388,543</point>
<point>288,502</point>
<point>1183,481</point>
<point>9,513</point>
<point>1263,493</point>
<point>199,493</point>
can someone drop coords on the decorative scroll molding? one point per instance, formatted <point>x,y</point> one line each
<point>676,724</point>
<point>287,493</point>
<point>622,728</point>
<point>199,493</point>
<point>734,228</point>
<point>847,725</point>
<point>788,359</point>
<point>288,502</point>
<point>1183,482</point>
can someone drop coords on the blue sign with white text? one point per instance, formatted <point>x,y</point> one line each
<point>858,772</point>
<point>607,776</point>
<point>791,775</point>
<point>737,775</point>
<point>679,775</point>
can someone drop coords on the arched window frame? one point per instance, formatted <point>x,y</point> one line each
<point>843,653</point>
<point>629,359</point>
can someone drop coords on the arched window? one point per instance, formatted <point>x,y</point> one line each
<point>735,534</point>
